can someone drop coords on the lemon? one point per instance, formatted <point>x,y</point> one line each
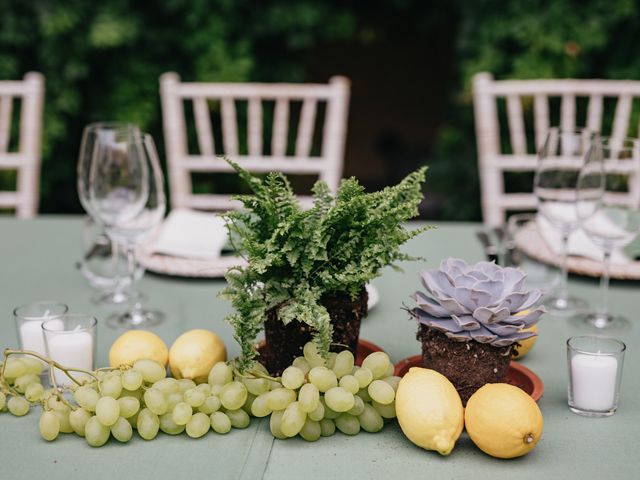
<point>136,344</point>
<point>429,410</point>
<point>503,421</point>
<point>194,353</point>
<point>525,345</point>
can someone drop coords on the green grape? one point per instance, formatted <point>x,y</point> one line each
<point>87,397</point>
<point>22,382</point>
<point>132,380</point>
<point>122,430</point>
<point>233,395</point>
<point>155,401</point>
<point>194,397</point>
<point>150,370</point>
<point>54,403</point>
<point>34,392</point>
<point>273,385</point>
<point>203,388</point>
<point>185,384</point>
<point>18,406</point>
<point>318,413</point>
<point>386,411</point>
<point>220,374</point>
<point>381,392</point>
<point>311,430</point>
<point>363,393</point>
<point>78,419</point>
<point>107,411</point>
<point>274,424</point>
<point>148,424</point>
<point>49,426</point>
<point>331,360</point>
<point>259,407</point>
<point>63,419</point>
<point>323,378</point>
<point>370,420</point>
<point>258,367</point>
<point>168,426</point>
<point>378,363</point>
<point>364,377</point>
<point>211,404</point>
<point>292,420</point>
<point>309,397</point>
<point>129,406</point>
<point>292,378</point>
<point>167,386</point>
<point>3,400</point>
<point>338,399</point>
<point>391,370</point>
<point>33,365</point>
<point>358,407</point>
<point>328,412</point>
<point>238,418</point>
<point>220,423</point>
<point>256,386</point>
<point>14,368</point>
<point>343,364</point>
<point>182,413</point>
<point>279,398</point>
<point>173,399</point>
<point>249,403</point>
<point>302,364</point>
<point>95,433</point>
<point>198,425</point>
<point>350,384</point>
<point>327,427</point>
<point>216,389</point>
<point>312,356</point>
<point>111,386</point>
<point>392,380</point>
<point>348,424</point>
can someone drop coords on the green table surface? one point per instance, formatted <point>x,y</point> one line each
<point>37,261</point>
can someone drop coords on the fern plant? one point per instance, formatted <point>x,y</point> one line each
<point>295,256</point>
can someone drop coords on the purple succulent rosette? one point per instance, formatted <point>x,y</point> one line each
<point>478,302</point>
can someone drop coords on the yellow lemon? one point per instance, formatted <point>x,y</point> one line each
<point>503,421</point>
<point>429,410</point>
<point>136,344</point>
<point>525,345</point>
<point>194,353</point>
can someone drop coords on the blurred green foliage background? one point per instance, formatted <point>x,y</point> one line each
<point>102,61</point>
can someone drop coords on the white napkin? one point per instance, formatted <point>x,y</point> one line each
<point>579,243</point>
<point>190,234</point>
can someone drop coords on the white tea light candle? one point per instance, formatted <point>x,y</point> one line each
<point>29,319</point>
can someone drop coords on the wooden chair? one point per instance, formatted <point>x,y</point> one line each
<point>493,162</point>
<point>26,159</point>
<point>181,163</point>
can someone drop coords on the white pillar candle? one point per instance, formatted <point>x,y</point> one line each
<point>71,349</point>
<point>593,380</point>
<point>32,336</point>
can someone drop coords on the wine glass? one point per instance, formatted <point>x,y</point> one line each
<point>559,162</point>
<point>103,262</point>
<point>126,189</point>
<point>608,222</point>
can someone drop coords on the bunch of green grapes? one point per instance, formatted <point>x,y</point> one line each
<point>20,384</point>
<point>316,396</point>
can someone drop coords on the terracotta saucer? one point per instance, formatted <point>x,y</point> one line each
<point>517,375</point>
<point>364,348</point>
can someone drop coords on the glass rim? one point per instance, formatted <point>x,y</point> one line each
<point>93,321</point>
<point>40,302</point>
<point>623,143</point>
<point>621,345</point>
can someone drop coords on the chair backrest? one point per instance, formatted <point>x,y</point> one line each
<point>26,158</point>
<point>327,164</point>
<point>493,161</point>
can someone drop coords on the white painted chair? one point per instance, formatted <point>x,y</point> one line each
<point>26,159</point>
<point>181,162</point>
<point>493,162</point>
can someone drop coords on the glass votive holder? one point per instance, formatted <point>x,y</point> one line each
<point>595,372</point>
<point>29,319</point>
<point>70,340</point>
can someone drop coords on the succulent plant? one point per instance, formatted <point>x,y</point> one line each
<point>483,302</point>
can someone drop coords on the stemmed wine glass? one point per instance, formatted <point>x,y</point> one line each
<point>103,262</point>
<point>608,222</point>
<point>126,191</point>
<point>559,162</point>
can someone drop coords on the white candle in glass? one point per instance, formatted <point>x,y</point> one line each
<point>593,380</point>
<point>71,349</point>
<point>32,336</point>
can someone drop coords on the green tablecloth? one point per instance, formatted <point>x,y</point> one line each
<point>37,263</point>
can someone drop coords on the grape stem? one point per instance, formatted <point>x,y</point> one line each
<point>254,374</point>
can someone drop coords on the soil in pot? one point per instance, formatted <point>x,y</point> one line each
<point>468,365</point>
<point>285,342</point>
